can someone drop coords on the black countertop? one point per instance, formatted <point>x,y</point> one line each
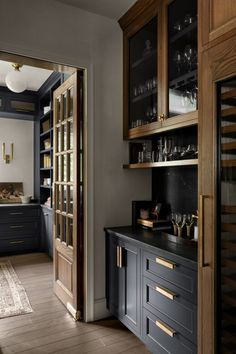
<point>184,248</point>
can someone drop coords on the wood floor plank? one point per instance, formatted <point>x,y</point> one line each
<point>50,329</point>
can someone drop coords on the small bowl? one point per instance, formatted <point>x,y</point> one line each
<point>25,199</point>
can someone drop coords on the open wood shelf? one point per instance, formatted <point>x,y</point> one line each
<point>190,162</point>
<point>45,133</point>
<point>178,122</point>
<point>228,209</point>
<point>46,151</point>
<point>228,227</point>
<point>228,114</point>
<point>229,131</point>
<point>228,163</point>
<point>228,147</point>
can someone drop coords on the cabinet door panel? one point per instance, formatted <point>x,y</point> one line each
<point>132,290</point>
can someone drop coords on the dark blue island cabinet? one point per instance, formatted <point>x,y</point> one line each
<point>19,228</point>
<point>151,287</point>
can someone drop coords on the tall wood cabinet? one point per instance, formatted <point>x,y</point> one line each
<point>217,161</point>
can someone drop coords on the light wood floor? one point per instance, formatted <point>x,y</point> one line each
<point>50,329</point>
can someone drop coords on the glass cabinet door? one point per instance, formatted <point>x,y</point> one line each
<point>182,57</point>
<point>143,76</point>
<point>226,215</point>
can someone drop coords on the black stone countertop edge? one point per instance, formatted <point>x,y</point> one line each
<point>183,248</point>
<point>11,205</point>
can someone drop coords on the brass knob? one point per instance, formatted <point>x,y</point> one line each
<point>162,117</point>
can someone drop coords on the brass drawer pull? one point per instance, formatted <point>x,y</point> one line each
<point>16,226</point>
<point>121,263</point>
<point>16,242</point>
<point>17,213</point>
<point>166,293</point>
<point>118,256</point>
<point>165,263</point>
<point>168,330</point>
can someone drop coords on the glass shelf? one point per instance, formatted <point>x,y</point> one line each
<point>190,162</point>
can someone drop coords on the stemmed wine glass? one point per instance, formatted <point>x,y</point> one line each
<point>189,222</point>
<point>167,148</point>
<point>178,60</point>
<point>180,222</point>
<point>189,56</point>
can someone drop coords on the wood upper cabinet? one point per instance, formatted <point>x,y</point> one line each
<point>160,66</point>
<point>217,161</point>
<point>217,20</point>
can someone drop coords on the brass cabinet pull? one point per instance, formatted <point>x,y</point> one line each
<point>118,256</point>
<point>15,242</point>
<point>165,263</point>
<point>168,330</point>
<point>16,226</point>
<point>202,233</point>
<point>120,253</point>
<point>165,292</point>
<point>17,213</point>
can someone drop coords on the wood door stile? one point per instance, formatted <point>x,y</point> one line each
<point>68,228</point>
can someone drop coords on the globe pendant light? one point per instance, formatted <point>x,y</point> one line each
<point>15,81</point>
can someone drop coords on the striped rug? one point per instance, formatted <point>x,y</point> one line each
<point>13,298</point>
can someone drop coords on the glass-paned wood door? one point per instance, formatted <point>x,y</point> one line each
<point>68,194</point>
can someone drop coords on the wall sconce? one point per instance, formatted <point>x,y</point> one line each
<point>6,157</point>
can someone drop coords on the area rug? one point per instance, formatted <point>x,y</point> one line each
<point>13,298</point>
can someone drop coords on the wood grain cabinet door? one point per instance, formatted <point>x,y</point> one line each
<point>217,19</point>
<point>217,236</point>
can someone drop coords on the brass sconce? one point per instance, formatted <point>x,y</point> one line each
<point>6,157</point>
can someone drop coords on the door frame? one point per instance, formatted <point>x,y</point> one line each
<point>88,264</point>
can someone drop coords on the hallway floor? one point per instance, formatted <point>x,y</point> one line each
<point>50,329</point>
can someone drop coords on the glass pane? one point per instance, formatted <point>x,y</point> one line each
<point>71,135</point>
<point>64,137</point>
<point>64,107</point>
<point>64,198</point>
<point>58,197</point>
<point>71,94</point>
<point>64,168</point>
<point>70,232</point>
<point>58,226</point>
<point>71,200</point>
<point>226,237</point>
<point>58,147</point>
<point>71,167</point>
<point>143,76</point>
<point>58,103</point>
<point>182,49</point>
<point>63,228</point>
<point>58,169</point>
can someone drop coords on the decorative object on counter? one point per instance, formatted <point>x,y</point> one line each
<point>180,222</point>
<point>25,199</point>
<point>144,214</point>
<point>48,202</point>
<point>155,212</point>
<point>195,216</point>
<point>189,223</point>
<point>154,224</point>
<point>10,192</point>
<point>173,220</point>
<point>6,157</point>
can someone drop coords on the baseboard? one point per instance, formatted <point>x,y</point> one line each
<point>100,310</point>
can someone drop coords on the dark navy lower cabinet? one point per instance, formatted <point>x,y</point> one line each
<point>123,276</point>
<point>153,292</point>
<point>47,230</point>
<point>19,228</point>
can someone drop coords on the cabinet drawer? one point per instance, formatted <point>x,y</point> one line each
<point>163,338</point>
<point>15,229</point>
<point>18,213</point>
<point>19,245</point>
<point>164,299</point>
<point>155,266</point>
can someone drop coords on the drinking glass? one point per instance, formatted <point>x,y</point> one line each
<point>167,148</point>
<point>189,222</point>
<point>178,60</point>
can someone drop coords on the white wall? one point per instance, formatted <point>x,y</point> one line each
<point>21,133</point>
<point>56,32</point>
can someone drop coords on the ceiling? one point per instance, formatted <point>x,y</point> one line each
<point>113,9</point>
<point>35,77</point>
